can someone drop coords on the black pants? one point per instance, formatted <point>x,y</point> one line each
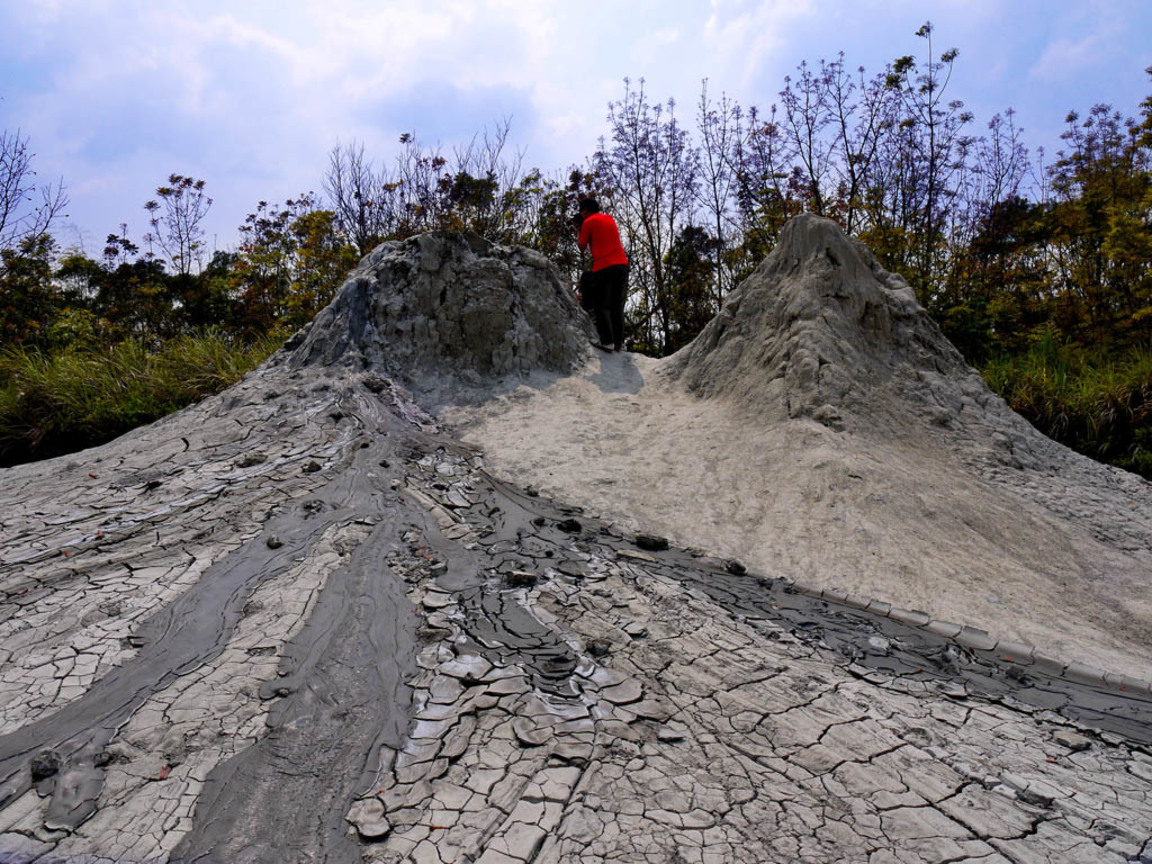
<point>605,292</point>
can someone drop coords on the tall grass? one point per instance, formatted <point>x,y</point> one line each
<point>1095,403</point>
<point>78,397</point>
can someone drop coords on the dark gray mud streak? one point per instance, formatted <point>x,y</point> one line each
<point>190,631</point>
<point>342,679</point>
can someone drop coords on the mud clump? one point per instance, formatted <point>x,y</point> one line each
<point>445,311</point>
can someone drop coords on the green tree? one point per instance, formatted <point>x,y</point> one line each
<point>651,167</point>
<point>290,263</point>
<point>322,261</point>
<point>930,154</point>
<point>28,302</point>
<point>1101,230</point>
<point>691,267</point>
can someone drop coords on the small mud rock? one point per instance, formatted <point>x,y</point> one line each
<point>598,647</point>
<point>368,817</point>
<point>251,459</point>
<point>375,384</point>
<point>572,568</point>
<point>1072,740</point>
<point>312,467</point>
<point>570,525</point>
<point>520,579</point>
<point>1017,674</point>
<point>651,542</point>
<point>634,556</point>
<point>44,764</point>
<point>735,567</point>
<point>274,542</point>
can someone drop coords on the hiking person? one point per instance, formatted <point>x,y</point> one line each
<point>608,282</point>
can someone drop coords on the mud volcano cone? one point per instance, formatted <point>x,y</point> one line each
<point>820,330</point>
<point>445,311</point>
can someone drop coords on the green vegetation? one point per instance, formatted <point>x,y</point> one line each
<point>1098,405</point>
<point>1040,274</point>
<point>59,402</point>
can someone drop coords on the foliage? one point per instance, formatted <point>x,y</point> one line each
<point>27,302</point>
<point>1094,403</point>
<point>289,264</point>
<point>175,221</point>
<point>82,396</point>
<point>650,167</point>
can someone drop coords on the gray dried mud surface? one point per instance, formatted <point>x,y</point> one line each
<point>301,622</point>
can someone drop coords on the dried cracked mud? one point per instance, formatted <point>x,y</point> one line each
<point>300,622</point>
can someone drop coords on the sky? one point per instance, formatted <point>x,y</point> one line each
<point>115,95</point>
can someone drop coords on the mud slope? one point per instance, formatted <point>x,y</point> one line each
<point>821,428</point>
<point>300,622</point>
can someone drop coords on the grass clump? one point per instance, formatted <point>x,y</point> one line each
<point>1096,403</point>
<point>77,397</point>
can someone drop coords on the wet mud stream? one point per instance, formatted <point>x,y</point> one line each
<point>532,532</point>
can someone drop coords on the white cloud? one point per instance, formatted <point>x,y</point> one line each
<point>117,93</point>
<point>648,46</point>
<point>1063,59</point>
<point>752,34</point>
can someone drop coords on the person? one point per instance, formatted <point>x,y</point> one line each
<point>607,284</point>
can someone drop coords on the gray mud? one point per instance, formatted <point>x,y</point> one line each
<point>527,535</point>
<point>340,695</point>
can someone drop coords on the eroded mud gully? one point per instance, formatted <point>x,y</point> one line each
<point>298,623</point>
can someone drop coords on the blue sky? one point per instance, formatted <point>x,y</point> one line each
<point>250,97</point>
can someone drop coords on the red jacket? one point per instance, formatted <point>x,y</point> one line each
<point>599,230</point>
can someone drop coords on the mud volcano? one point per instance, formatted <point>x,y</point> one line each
<point>301,621</point>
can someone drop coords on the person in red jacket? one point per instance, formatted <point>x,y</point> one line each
<point>608,282</point>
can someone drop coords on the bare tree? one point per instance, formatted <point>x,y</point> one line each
<point>765,195</point>
<point>992,171</point>
<point>864,112</point>
<point>937,145</point>
<point>808,113</point>
<point>27,207</point>
<point>484,184</point>
<point>720,143</point>
<point>175,221</point>
<point>357,192</point>
<point>419,181</point>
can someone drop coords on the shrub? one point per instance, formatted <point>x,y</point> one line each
<point>59,402</point>
<point>1097,404</point>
